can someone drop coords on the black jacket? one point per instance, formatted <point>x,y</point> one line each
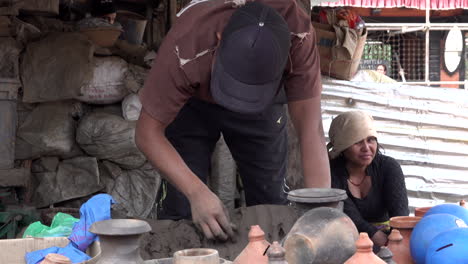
<point>386,198</point>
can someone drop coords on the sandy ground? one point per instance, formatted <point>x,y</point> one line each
<point>169,236</point>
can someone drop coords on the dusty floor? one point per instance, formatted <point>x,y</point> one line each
<point>169,236</point>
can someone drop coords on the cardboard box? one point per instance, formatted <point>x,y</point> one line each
<point>333,61</point>
<point>13,250</point>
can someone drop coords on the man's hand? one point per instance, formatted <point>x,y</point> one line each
<point>210,215</point>
<point>208,211</point>
<point>379,239</point>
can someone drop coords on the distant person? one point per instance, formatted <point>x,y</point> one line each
<point>104,9</point>
<point>103,14</point>
<point>374,183</point>
<point>382,69</point>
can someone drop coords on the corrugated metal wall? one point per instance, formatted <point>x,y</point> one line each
<point>424,128</point>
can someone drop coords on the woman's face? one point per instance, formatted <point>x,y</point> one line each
<point>110,17</point>
<point>381,69</point>
<point>362,153</point>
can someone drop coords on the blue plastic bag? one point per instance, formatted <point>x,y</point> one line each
<point>96,209</point>
<point>75,255</point>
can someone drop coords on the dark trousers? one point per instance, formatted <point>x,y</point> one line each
<point>258,144</point>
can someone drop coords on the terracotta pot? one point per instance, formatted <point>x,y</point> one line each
<point>53,258</point>
<point>102,36</point>
<point>364,254</point>
<point>463,203</point>
<point>405,225</point>
<point>420,211</point>
<point>255,250</point>
<point>196,256</point>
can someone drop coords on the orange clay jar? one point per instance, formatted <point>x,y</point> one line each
<point>53,258</point>
<point>364,254</point>
<point>401,247</point>
<point>255,251</point>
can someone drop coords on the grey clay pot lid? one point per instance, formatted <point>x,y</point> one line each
<point>120,227</point>
<point>317,195</point>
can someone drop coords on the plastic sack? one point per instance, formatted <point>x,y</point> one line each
<point>61,226</point>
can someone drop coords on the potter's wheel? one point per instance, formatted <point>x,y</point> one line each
<point>169,261</point>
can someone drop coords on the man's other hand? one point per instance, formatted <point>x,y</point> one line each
<point>210,215</point>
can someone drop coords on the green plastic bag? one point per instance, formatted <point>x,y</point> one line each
<point>61,226</point>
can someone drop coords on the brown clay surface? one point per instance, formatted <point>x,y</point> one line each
<point>169,236</point>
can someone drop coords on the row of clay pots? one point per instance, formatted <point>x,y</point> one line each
<point>402,227</point>
<point>420,211</point>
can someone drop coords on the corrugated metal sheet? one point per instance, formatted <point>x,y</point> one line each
<point>424,128</point>
<point>419,4</point>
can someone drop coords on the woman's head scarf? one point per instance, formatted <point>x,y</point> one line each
<point>349,128</point>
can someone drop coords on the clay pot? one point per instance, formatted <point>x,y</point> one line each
<point>386,255</point>
<point>405,225</point>
<point>255,250</point>
<point>53,258</point>
<point>276,254</point>
<point>420,211</point>
<point>306,199</point>
<point>322,235</point>
<point>196,256</point>
<point>401,252</point>
<point>120,240</point>
<point>364,254</point>
<point>102,36</point>
<point>463,203</point>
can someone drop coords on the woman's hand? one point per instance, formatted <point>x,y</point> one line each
<point>380,239</point>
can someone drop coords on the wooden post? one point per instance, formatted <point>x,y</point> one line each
<point>172,12</point>
<point>149,23</point>
<point>306,5</point>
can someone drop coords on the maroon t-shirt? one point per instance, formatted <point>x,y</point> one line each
<point>182,68</point>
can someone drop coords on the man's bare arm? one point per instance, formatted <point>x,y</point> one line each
<point>306,116</point>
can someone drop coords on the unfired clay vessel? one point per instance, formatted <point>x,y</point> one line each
<point>255,251</point>
<point>276,254</point>
<point>364,254</point>
<point>322,235</point>
<point>196,256</point>
<point>306,199</point>
<point>120,240</point>
<point>386,255</point>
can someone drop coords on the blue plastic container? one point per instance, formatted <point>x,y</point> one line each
<point>449,247</point>
<point>453,209</point>
<point>426,229</point>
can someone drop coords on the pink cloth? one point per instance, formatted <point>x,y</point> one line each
<point>418,4</point>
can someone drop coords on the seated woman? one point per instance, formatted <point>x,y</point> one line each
<point>374,183</point>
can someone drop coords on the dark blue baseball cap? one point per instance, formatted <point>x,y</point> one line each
<point>250,60</point>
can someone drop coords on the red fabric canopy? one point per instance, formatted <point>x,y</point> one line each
<point>419,4</point>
